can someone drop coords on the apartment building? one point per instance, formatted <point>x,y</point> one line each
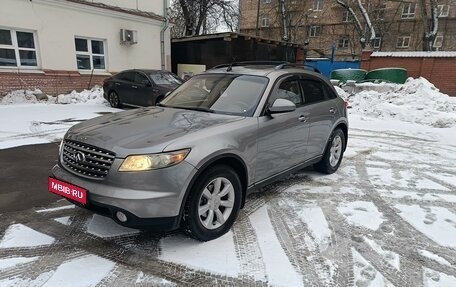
<point>326,28</point>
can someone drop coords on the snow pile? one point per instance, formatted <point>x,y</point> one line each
<point>93,96</point>
<point>416,101</point>
<point>20,97</point>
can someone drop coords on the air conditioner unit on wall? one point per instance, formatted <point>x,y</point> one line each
<point>128,36</point>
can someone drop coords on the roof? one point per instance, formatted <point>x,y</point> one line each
<point>135,12</point>
<point>261,70</point>
<point>228,36</point>
<point>434,54</point>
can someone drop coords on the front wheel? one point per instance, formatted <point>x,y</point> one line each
<point>213,204</point>
<point>334,152</point>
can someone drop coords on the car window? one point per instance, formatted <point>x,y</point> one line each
<point>165,79</point>
<point>126,76</point>
<point>221,93</point>
<point>288,90</point>
<point>140,78</point>
<point>313,91</point>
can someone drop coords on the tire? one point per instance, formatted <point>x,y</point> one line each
<point>334,152</point>
<point>114,100</point>
<point>201,203</point>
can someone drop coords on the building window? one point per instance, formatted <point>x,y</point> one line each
<point>408,11</point>
<point>403,42</point>
<point>265,20</point>
<point>438,41</point>
<point>347,16</point>
<point>379,13</point>
<point>377,42</point>
<point>443,10</point>
<point>343,43</point>
<point>314,31</point>
<point>90,54</point>
<point>318,5</point>
<point>18,49</point>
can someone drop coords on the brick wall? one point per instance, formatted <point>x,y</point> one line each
<point>439,71</point>
<point>51,82</point>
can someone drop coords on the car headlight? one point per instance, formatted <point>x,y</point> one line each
<point>153,161</point>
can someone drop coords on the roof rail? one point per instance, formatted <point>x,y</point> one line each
<point>278,65</point>
<point>249,63</point>
<point>303,66</point>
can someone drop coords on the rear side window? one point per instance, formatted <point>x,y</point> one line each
<point>313,91</point>
<point>127,76</point>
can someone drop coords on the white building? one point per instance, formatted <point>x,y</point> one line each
<point>60,45</point>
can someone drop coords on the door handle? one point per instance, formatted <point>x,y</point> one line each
<point>134,87</point>
<point>302,119</point>
<point>332,110</point>
<point>117,84</point>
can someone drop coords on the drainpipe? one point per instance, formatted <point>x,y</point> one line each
<point>162,35</point>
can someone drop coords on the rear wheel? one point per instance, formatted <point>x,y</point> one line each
<point>114,100</point>
<point>213,204</point>
<point>334,152</point>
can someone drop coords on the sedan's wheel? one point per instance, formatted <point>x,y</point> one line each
<point>213,204</point>
<point>114,100</point>
<point>334,152</point>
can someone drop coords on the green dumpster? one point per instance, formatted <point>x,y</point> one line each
<point>344,75</point>
<point>392,75</point>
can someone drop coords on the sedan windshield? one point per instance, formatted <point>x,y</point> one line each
<point>219,93</point>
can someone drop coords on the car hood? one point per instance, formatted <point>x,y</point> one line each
<point>144,130</point>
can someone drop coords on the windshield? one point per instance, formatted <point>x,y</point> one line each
<point>163,79</point>
<point>219,93</point>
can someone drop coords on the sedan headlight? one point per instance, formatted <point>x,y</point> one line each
<point>153,161</point>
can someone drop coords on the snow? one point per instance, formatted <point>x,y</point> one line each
<point>150,280</point>
<point>65,220</point>
<point>315,219</point>
<point>362,213</point>
<point>6,263</point>
<point>84,271</point>
<point>105,227</point>
<point>391,257</point>
<point>433,278</point>
<point>55,208</point>
<point>437,223</point>
<point>365,274</point>
<point>26,120</point>
<point>19,235</point>
<point>416,101</point>
<point>217,255</point>
<point>279,270</point>
<point>434,257</point>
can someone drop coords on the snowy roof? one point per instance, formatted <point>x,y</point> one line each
<point>434,54</point>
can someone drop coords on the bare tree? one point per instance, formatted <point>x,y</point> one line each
<point>203,16</point>
<point>430,26</point>
<point>359,27</point>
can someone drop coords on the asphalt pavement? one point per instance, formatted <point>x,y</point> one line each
<point>23,176</point>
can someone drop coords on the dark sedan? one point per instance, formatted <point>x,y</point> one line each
<point>139,87</point>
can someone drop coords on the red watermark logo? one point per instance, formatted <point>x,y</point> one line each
<point>67,190</point>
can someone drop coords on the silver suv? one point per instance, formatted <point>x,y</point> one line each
<point>191,161</point>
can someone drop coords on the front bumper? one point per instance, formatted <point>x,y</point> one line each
<point>143,196</point>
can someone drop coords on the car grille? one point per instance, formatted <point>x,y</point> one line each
<point>86,160</point>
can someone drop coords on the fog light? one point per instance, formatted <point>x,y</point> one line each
<point>121,216</point>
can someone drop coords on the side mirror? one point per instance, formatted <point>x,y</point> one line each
<point>146,83</point>
<point>281,106</point>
